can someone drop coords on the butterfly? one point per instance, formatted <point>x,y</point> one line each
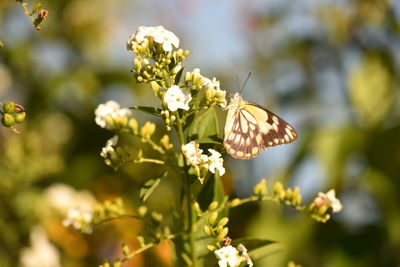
<point>250,128</point>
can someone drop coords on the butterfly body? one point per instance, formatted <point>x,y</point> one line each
<point>250,128</point>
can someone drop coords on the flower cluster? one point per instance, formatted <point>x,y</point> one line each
<point>156,58</point>
<point>111,117</point>
<point>11,114</point>
<point>202,163</point>
<point>323,203</point>
<point>80,220</point>
<point>232,257</point>
<point>41,253</point>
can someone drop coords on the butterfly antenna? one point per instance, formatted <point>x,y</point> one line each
<point>248,76</point>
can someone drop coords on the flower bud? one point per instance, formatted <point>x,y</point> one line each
<point>235,202</point>
<point>197,208</point>
<point>142,210</point>
<point>20,117</point>
<point>213,218</point>
<point>223,221</point>
<point>222,234</point>
<point>155,87</point>
<point>125,250</point>
<point>133,125</point>
<point>138,64</point>
<point>213,205</point>
<point>156,216</point>
<point>207,230</point>
<point>9,107</point>
<point>8,120</point>
<point>211,248</point>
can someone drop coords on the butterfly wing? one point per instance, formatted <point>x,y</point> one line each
<point>275,131</point>
<point>243,139</point>
<point>251,127</point>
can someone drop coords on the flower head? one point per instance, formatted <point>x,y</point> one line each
<point>109,148</point>
<point>79,219</point>
<point>110,115</point>
<point>176,98</point>
<point>329,199</point>
<point>227,256</point>
<point>214,94</point>
<point>193,153</point>
<point>165,37</point>
<point>216,162</point>
<point>159,34</point>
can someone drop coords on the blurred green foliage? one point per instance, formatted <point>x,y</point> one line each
<point>344,61</point>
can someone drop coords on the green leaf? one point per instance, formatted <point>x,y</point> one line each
<point>259,248</point>
<point>252,243</point>
<point>179,75</point>
<point>211,191</point>
<point>36,8</point>
<point>149,187</point>
<point>204,125</point>
<point>150,110</point>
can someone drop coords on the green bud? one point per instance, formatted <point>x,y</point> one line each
<point>139,78</point>
<point>207,230</point>
<point>156,216</point>
<point>186,53</point>
<point>213,205</point>
<point>142,210</point>
<point>138,64</point>
<point>223,221</point>
<point>197,208</point>
<point>125,250</point>
<point>211,248</point>
<point>213,218</point>
<point>155,87</point>
<point>322,210</point>
<point>133,125</point>
<point>188,76</point>
<point>117,264</point>
<point>296,196</point>
<point>288,194</point>
<point>20,117</point>
<point>9,107</point>
<point>235,202</point>
<point>222,234</point>
<point>8,120</point>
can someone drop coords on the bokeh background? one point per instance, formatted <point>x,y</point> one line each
<point>331,68</point>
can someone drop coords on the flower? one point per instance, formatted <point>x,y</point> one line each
<point>79,219</point>
<point>109,146</point>
<point>176,98</point>
<point>62,198</point>
<point>165,37</point>
<point>193,154</point>
<point>227,256</point>
<point>214,94</point>
<point>216,162</point>
<point>110,115</point>
<point>329,199</point>
<point>41,253</point>
<point>159,34</point>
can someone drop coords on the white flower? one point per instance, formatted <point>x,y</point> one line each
<point>176,98</point>
<point>109,146</point>
<point>41,253</point>
<point>62,198</point>
<point>165,37</point>
<point>79,219</point>
<point>227,256</point>
<point>244,255</point>
<point>330,199</point>
<point>159,34</point>
<point>107,113</point>
<point>193,154</point>
<point>216,162</point>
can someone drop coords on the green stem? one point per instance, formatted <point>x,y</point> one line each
<point>188,193</point>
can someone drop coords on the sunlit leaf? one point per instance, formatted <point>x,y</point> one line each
<point>149,187</point>
<point>204,125</point>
